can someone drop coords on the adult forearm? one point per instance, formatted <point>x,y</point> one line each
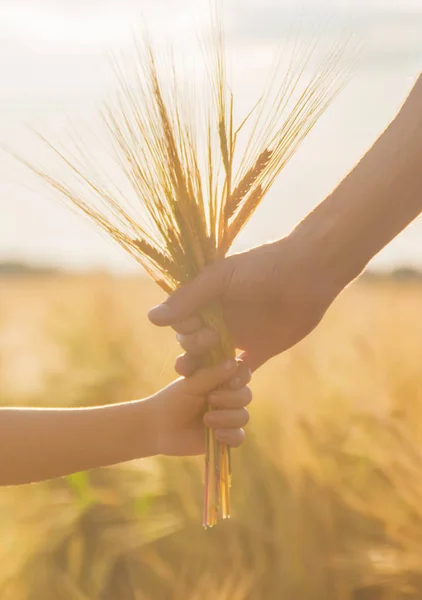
<point>40,444</point>
<point>375,202</point>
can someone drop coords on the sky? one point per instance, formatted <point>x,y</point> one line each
<point>54,74</point>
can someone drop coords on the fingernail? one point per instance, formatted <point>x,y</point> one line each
<point>229,364</point>
<point>161,310</point>
<point>179,337</point>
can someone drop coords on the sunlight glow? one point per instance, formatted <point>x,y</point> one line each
<point>33,24</point>
<point>103,28</point>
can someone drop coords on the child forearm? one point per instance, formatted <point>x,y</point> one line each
<point>40,444</point>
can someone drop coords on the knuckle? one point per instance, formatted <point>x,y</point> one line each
<point>244,417</point>
<point>247,396</point>
<point>238,439</point>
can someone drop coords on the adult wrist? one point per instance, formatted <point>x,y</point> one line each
<point>371,205</point>
<point>326,252</point>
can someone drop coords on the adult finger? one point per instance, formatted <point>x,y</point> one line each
<point>227,419</point>
<point>189,325</point>
<point>200,342</point>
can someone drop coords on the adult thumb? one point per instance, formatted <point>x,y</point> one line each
<point>182,303</point>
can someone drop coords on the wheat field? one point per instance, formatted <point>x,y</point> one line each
<point>327,501</point>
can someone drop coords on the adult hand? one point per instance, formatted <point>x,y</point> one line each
<point>272,297</point>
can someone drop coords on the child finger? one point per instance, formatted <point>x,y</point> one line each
<point>187,364</point>
<point>227,419</point>
<point>206,380</point>
<point>232,437</point>
<point>223,399</point>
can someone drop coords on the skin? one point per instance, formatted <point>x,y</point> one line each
<point>275,295</point>
<point>40,444</point>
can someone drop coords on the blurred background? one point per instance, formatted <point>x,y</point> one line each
<point>328,488</point>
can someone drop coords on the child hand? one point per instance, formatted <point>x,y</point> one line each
<point>180,410</point>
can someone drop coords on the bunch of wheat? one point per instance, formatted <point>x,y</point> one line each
<point>195,190</point>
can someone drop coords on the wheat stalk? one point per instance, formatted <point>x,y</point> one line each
<point>246,183</point>
<point>190,212</point>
